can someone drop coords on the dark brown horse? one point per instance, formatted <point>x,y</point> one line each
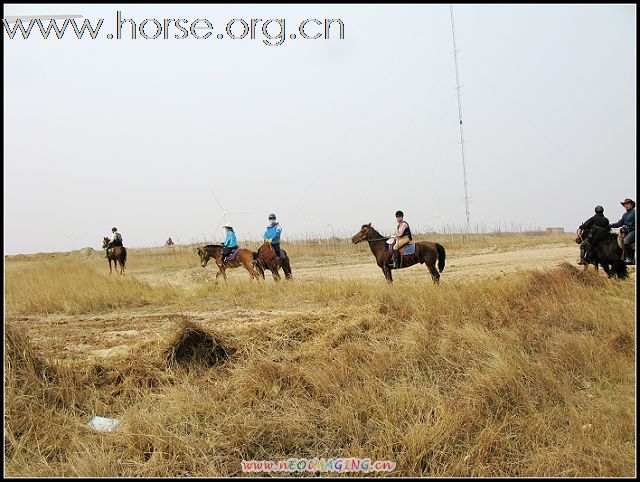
<point>244,257</point>
<point>266,258</point>
<point>426,252</point>
<point>118,255</point>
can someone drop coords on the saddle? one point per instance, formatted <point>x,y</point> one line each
<point>233,254</point>
<point>406,250</point>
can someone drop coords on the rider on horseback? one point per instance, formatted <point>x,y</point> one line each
<point>628,220</point>
<point>230,242</point>
<point>115,241</point>
<point>598,219</point>
<point>403,236</point>
<point>272,234</point>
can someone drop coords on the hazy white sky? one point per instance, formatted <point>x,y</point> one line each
<point>328,134</point>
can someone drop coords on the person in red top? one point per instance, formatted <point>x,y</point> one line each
<point>402,237</point>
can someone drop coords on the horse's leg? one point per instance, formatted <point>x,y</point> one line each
<point>435,276</point>
<point>109,265</point>
<point>274,271</point>
<point>286,267</point>
<point>221,271</point>
<point>248,265</point>
<point>387,273</point>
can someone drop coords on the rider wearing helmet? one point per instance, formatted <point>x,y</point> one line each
<point>598,219</point>
<point>403,236</point>
<point>230,242</point>
<point>115,241</point>
<point>628,220</point>
<point>272,234</point>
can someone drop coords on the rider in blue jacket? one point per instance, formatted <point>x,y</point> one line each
<point>628,220</point>
<point>272,234</point>
<point>230,242</point>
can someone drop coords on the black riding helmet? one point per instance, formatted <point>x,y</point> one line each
<point>399,213</point>
<point>599,209</point>
<point>113,230</point>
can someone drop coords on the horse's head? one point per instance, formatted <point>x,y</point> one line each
<point>204,256</point>
<point>105,241</point>
<point>363,234</point>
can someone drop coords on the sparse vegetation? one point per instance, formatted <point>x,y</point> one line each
<point>530,374</point>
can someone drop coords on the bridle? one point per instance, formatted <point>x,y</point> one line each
<point>364,238</point>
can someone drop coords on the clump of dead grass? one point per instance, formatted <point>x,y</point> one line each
<point>193,345</point>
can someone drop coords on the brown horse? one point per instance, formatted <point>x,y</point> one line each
<point>426,252</point>
<point>244,257</point>
<point>266,258</point>
<point>118,255</point>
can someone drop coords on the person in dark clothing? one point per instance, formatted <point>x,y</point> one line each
<point>598,219</point>
<point>628,220</point>
<point>115,241</point>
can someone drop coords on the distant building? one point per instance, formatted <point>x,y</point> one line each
<point>555,230</point>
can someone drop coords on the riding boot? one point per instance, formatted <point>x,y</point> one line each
<point>397,259</point>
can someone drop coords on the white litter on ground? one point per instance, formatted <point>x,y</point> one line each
<point>103,424</point>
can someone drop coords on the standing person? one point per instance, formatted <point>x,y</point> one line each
<point>272,234</point>
<point>628,220</point>
<point>403,237</point>
<point>230,242</point>
<point>116,240</point>
<point>598,219</point>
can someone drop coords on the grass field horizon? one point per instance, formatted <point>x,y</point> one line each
<point>510,371</point>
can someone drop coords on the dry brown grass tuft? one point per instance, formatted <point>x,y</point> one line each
<point>193,345</point>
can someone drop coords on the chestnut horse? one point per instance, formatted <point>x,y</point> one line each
<point>244,257</point>
<point>118,255</point>
<point>266,258</point>
<point>426,252</point>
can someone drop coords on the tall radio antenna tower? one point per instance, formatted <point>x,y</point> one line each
<point>464,166</point>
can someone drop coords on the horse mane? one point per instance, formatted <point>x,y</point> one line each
<point>212,246</point>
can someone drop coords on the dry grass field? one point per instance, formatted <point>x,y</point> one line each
<point>518,364</point>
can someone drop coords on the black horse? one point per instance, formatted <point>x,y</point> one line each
<point>602,247</point>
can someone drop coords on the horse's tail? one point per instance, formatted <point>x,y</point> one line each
<point>124,255</point>
<point>441,257</point>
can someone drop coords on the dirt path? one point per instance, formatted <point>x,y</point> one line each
<point>488,263</point>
